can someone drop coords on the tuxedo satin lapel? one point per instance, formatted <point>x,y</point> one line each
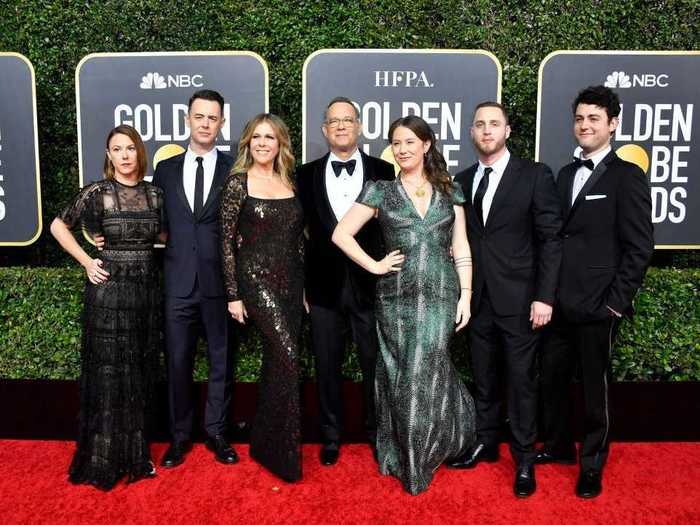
<point>180,185</point>
<point>323,205</point>
<point>216,185</point>
<point>592,180</point>
<point>367,169</point>
<point>508,180</point>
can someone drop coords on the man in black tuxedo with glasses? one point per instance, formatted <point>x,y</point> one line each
<point>339,292</point>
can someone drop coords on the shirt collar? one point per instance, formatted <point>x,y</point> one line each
<point>597,158</point>
<point>355,156</point>
<point>499,166</point>
<point>209,156</point>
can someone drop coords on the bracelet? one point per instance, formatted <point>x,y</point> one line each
<point>466,289</point>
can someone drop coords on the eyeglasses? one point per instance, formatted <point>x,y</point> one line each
<point>335,122</point>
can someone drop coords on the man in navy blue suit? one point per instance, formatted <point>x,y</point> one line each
<point>195,300</point>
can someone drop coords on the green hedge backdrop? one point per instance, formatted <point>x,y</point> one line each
<point>40,313</point>
<point>41,306</point>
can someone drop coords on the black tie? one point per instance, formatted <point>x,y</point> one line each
<point>580,162</point>
<point>479,195</point>
<point>338,166</point>
<point>199,187</point>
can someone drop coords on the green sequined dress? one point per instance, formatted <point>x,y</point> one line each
<point>425,415</point>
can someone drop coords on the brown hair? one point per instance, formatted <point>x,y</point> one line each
<point>492,104</point>
<point>284,162</point>
<point>123,129</point>
<point>434,164</point>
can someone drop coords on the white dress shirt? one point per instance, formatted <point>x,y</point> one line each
<point>494,180</point>
<point>583,173</point>
<point>344,189</point>
<point>189,172</point>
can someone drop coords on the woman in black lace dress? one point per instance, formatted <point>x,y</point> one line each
<point>121,338</point>
<point>262,254</point>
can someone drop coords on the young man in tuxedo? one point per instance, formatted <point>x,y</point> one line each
<point>339,292</point>
<point>513,222</point>
<point>195,299</point>
<point>607,245</point>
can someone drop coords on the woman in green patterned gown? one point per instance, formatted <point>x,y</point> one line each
<point>425,415</point>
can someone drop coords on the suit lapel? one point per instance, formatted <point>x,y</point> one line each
<point>472,218</point>
<point>323,205</point>
<point>508,179</point>
<point>592,180</point>
<point>180,184</point>
<point>216,185</point>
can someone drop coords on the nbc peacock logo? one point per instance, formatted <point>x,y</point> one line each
<point>618,79</point>
<point>153,80</point>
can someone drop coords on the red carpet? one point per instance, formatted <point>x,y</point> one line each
<point>644,483</point>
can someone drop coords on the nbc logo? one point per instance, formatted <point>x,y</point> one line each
<point>153,81</point>
<point>618,79</point>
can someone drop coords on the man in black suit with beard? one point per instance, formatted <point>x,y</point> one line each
<point>513,222</point>
<point>195,299</point>
<point>607,246</point>
<point>339,292</point>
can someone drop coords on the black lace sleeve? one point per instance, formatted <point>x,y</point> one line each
<point>85,209</point>
<point>232,197</point>
<point>159,205</point>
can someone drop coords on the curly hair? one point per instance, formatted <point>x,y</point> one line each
<point>434,165</point>
<point>284,162</point>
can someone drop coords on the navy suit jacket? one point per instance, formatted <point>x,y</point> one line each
<point>192,250</point>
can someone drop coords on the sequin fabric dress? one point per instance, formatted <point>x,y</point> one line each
<point>121,333</point>
<point>262,257</point>
<point>425,415</point>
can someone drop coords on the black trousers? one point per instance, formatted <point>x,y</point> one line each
<point>186,318</point>
<point>329,330</point>
<point>504,348</point>
<point>566,346</point>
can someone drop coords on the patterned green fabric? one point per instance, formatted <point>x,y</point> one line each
<point>425,414</point>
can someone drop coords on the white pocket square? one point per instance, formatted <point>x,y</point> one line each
<point>595,197</point>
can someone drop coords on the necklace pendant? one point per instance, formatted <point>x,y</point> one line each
<point>420,192</point>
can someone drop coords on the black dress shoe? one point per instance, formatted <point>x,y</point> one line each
<point>544,456</point>
<point>525,484</point>
<point>175,454</point>
<point>474,456</point>
<point>223,453</point>
<point>589,484</point>
<point>329,454</point>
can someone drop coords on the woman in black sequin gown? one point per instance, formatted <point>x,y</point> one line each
<point>121,316</point>
<point>262,254</point>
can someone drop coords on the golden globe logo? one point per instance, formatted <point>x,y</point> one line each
<point>154,80</point>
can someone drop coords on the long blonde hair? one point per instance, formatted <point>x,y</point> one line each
<point>284,162</point>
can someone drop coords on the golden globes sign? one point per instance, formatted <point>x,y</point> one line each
<point>20,191</point>
<point>658,92</point>
<point>441,86</point>
<point>150,91</point>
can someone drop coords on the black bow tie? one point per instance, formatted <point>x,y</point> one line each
<point>580,162</point>
<point>338,166</point>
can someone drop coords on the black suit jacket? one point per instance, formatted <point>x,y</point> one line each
<point>517,254</point>
<point>192,248</point>
<point>608,239</point>
<point>327,267</point>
